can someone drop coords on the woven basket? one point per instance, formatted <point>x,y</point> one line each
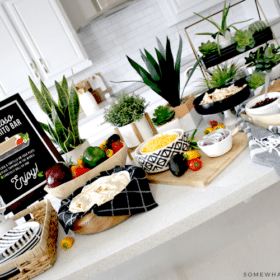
<point>42,256</point>
<point>185,108</point>
<point>64,190</point>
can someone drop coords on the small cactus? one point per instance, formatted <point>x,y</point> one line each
<point>257,26</point>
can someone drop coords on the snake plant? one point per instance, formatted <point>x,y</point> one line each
<point>163,75</point>
<point>62,115</point>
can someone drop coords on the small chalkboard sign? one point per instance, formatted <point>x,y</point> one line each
<point>25,153</point>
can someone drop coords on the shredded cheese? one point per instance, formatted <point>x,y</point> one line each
<point>159,142</point>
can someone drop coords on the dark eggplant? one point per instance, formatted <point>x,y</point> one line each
<point>178,165</point>
<point>111,140</point>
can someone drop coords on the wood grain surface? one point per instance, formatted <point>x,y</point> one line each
<point>211,167</point>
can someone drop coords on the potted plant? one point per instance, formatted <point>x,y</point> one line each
<point>165,119</point>
<point>208,48</point>
<point>266,59</point>
<point>163,77</point>
<point>256,81</point>
<point>223,35</point>
<point>127,113</point>
<point>221,75</point>
<point>63,116</point>
<point>243,39</point>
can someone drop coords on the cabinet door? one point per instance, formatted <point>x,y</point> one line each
<point>15,66</point>
<point>48,36</point>
<point>181,9</point>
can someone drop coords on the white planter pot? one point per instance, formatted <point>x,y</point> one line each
<point>174,124</point>
<point>190,121</point>
<point>88,103</point>
<point>75,154</point>
<point>129,135</point>
<point>259,90</point>
<point>224,41</point>
<point>275,72</point>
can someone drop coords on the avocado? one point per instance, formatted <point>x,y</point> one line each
<point>93,156</point>
<point>178,165</point>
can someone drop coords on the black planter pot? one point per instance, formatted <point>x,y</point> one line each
<point>224,104</point>
<point>230,51</point>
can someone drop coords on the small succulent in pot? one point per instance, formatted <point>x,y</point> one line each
<point>243,39</point>
<point>257,26</point>
<point>264,58</point>
<point>208,48</point>
<point>163,115</point>
<point>256,80</point>
<point>127,109</point>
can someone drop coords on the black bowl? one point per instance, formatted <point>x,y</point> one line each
<point>224,104</point>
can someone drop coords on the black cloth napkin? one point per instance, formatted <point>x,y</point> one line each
<point>135,198</point>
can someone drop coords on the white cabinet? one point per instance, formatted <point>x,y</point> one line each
<point>48,37</point>
<point>15,66</point>
<point>179,10</point>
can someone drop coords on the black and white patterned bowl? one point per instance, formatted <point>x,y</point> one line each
<point>158,161</point>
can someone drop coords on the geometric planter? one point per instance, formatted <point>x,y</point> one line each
<point>173,124</point>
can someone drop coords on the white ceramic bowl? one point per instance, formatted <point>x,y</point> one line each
<point>270,109</point>
<point>158,160</point>
<point>219,148</point>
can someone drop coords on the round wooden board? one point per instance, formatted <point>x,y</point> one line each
<point>91,223</point>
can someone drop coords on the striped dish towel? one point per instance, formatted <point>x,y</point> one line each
<point>264,144</point>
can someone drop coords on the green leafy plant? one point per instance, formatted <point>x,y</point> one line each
<point>221,75</point>
<point>62,115</point>
<point>264,58</point>
<point>163,75</point>
<point>207,48</point>
<point>256,80</point>
<point>222,29</point>
<point>243,39</point>
<point>163,115</point>
<point>193,143</point>
<point>257,26</point>
<point>126,110</point>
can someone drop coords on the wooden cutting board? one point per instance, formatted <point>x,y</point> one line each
<point>211,167</point>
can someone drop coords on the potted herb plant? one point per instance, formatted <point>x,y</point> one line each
<point>244,39</point>
<point>163,77</point>
<point>223,35</point>
<point>63,116</point>
<point>265,59</point>
<point>208,48</point>
<point>126,114</point>
<point>165,119</point>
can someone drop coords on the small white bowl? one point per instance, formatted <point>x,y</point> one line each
<point>219,148</point>
<point>270,109</point>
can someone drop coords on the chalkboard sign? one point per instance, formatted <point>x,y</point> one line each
<point>25,153</point>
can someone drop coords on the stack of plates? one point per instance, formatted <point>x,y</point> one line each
<point>16,242</point>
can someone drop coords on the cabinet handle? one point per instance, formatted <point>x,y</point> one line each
<point>1,85</point>
<point>44,64</point>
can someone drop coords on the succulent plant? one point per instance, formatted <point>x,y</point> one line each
<point>257,26</point>
<point>62,115</point>
<point>163,115</point>
<point>163,75</point>
<point>221,28</point>
<point>207,48</point>
<point>243,39</point>
<point>264,58</point>
<point>256,80</point>
<point>126,110</point>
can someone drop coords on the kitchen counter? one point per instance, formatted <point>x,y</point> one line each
<point>181,208</point>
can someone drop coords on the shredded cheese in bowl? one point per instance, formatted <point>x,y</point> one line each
<point>159,142</point>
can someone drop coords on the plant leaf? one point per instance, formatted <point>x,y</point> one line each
<point>225,14</point>
<point>64,85</point>
<point>74,107</point>
<point>45,92</point>
<point>179,55</point>
<point>62,97</point>
<point>161,48</point>
<point>44,126</point>
<point>43,104</point>
<point>211,21</point>
<point>152,66</point>
<point>69,142</point>
<point>59,128</point>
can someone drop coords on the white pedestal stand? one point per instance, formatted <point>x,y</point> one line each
<point>230,119</point>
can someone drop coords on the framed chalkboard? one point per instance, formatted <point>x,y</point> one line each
<point>25,153</point>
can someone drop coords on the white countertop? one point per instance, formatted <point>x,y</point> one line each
<point>180,209</point>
